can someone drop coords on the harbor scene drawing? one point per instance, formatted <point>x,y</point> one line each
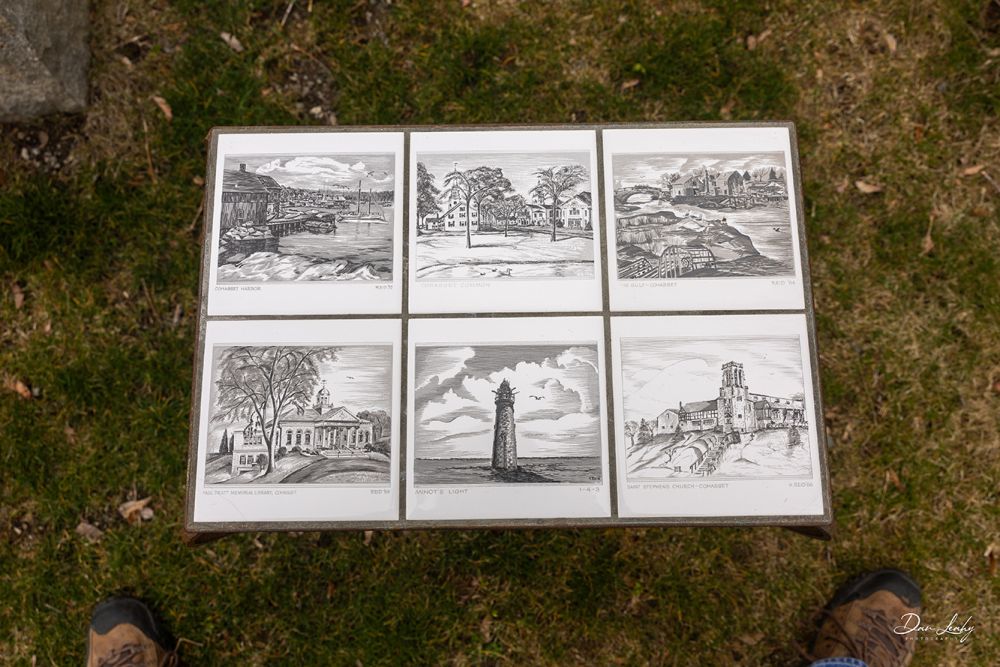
<point>307,218</point>
<point>702,215</point>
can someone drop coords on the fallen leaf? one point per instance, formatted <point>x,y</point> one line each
<point>972,171</point>
<point>928,244</point>
<point>992,553</point>
<point>131,510</point>
<point>753,41</point>
<point>867,188</point>
<point>752,638</point>
<point>368,537</point>
<point>146,513</point>
<point>485,627</point>
<point>231,41</point>
<point>198,180</point>
<point>18,295</point>
<point>168,113</point>
<point>628,85</point>
<point>890,42</point>
<point>89,532</point>
<point>892,478</point>
<point>843,185</point>
<point>17,386</point>
<point>70,434</point>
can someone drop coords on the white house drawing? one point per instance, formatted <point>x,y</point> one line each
<point>331,431</point>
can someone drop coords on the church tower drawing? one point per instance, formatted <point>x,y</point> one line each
<point>504,438</point>
<point>735,409</point>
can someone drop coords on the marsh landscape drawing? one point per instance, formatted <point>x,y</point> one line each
<point>292,414</point>
<point>506,414</point>
<point>702,215</point>
<point>720,407</point>
<point>504,216</point>
<point>323,217</point>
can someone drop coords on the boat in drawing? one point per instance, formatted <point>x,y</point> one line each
<point>377,217</point>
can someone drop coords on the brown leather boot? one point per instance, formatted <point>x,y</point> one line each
<point>124,632</point>
<point>858,622</point>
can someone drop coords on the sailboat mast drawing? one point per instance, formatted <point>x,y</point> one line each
<point>369,216</point>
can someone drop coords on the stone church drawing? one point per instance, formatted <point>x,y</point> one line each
<point>736,408</point>
<point>755,426</point>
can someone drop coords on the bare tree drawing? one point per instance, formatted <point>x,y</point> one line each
<point>553,182</point>
<point>259,383</point>
<point>470,185</point>
<point>493,187</point>
<point>514,209</point>
<point>669,177</point>
<point>427,194</point>
<point>631,428</point>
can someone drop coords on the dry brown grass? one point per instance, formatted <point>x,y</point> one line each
<point>95,227</point>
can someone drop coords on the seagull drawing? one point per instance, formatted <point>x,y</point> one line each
<point>537,398</point>
<point>777,229</point>
<point>350,377</point>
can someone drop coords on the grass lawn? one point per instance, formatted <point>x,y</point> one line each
<point>519,254</point>
<point>897,111</point>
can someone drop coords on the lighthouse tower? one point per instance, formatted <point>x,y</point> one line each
<point>504,439</point>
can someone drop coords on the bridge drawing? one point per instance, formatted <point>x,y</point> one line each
<point>622,195</point>
<point>673,262</point>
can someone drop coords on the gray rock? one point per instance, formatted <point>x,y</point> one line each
<point>43,57</point>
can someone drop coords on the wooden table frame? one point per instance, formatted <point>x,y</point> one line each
<point>200,532</point>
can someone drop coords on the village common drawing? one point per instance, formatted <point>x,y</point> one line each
<point>726,407</point>
<point>701,215</point>
<point>506,414</point>
<point>300,415</point>
<point>496,216</point>
<point>324,217</point>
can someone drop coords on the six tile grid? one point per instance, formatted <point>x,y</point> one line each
<point>614,309</point>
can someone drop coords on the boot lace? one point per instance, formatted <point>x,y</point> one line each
<point>134,654</point>
<point>875,634</point>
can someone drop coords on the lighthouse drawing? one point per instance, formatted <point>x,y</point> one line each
<point>451,440</point>
<point>504,437</point>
